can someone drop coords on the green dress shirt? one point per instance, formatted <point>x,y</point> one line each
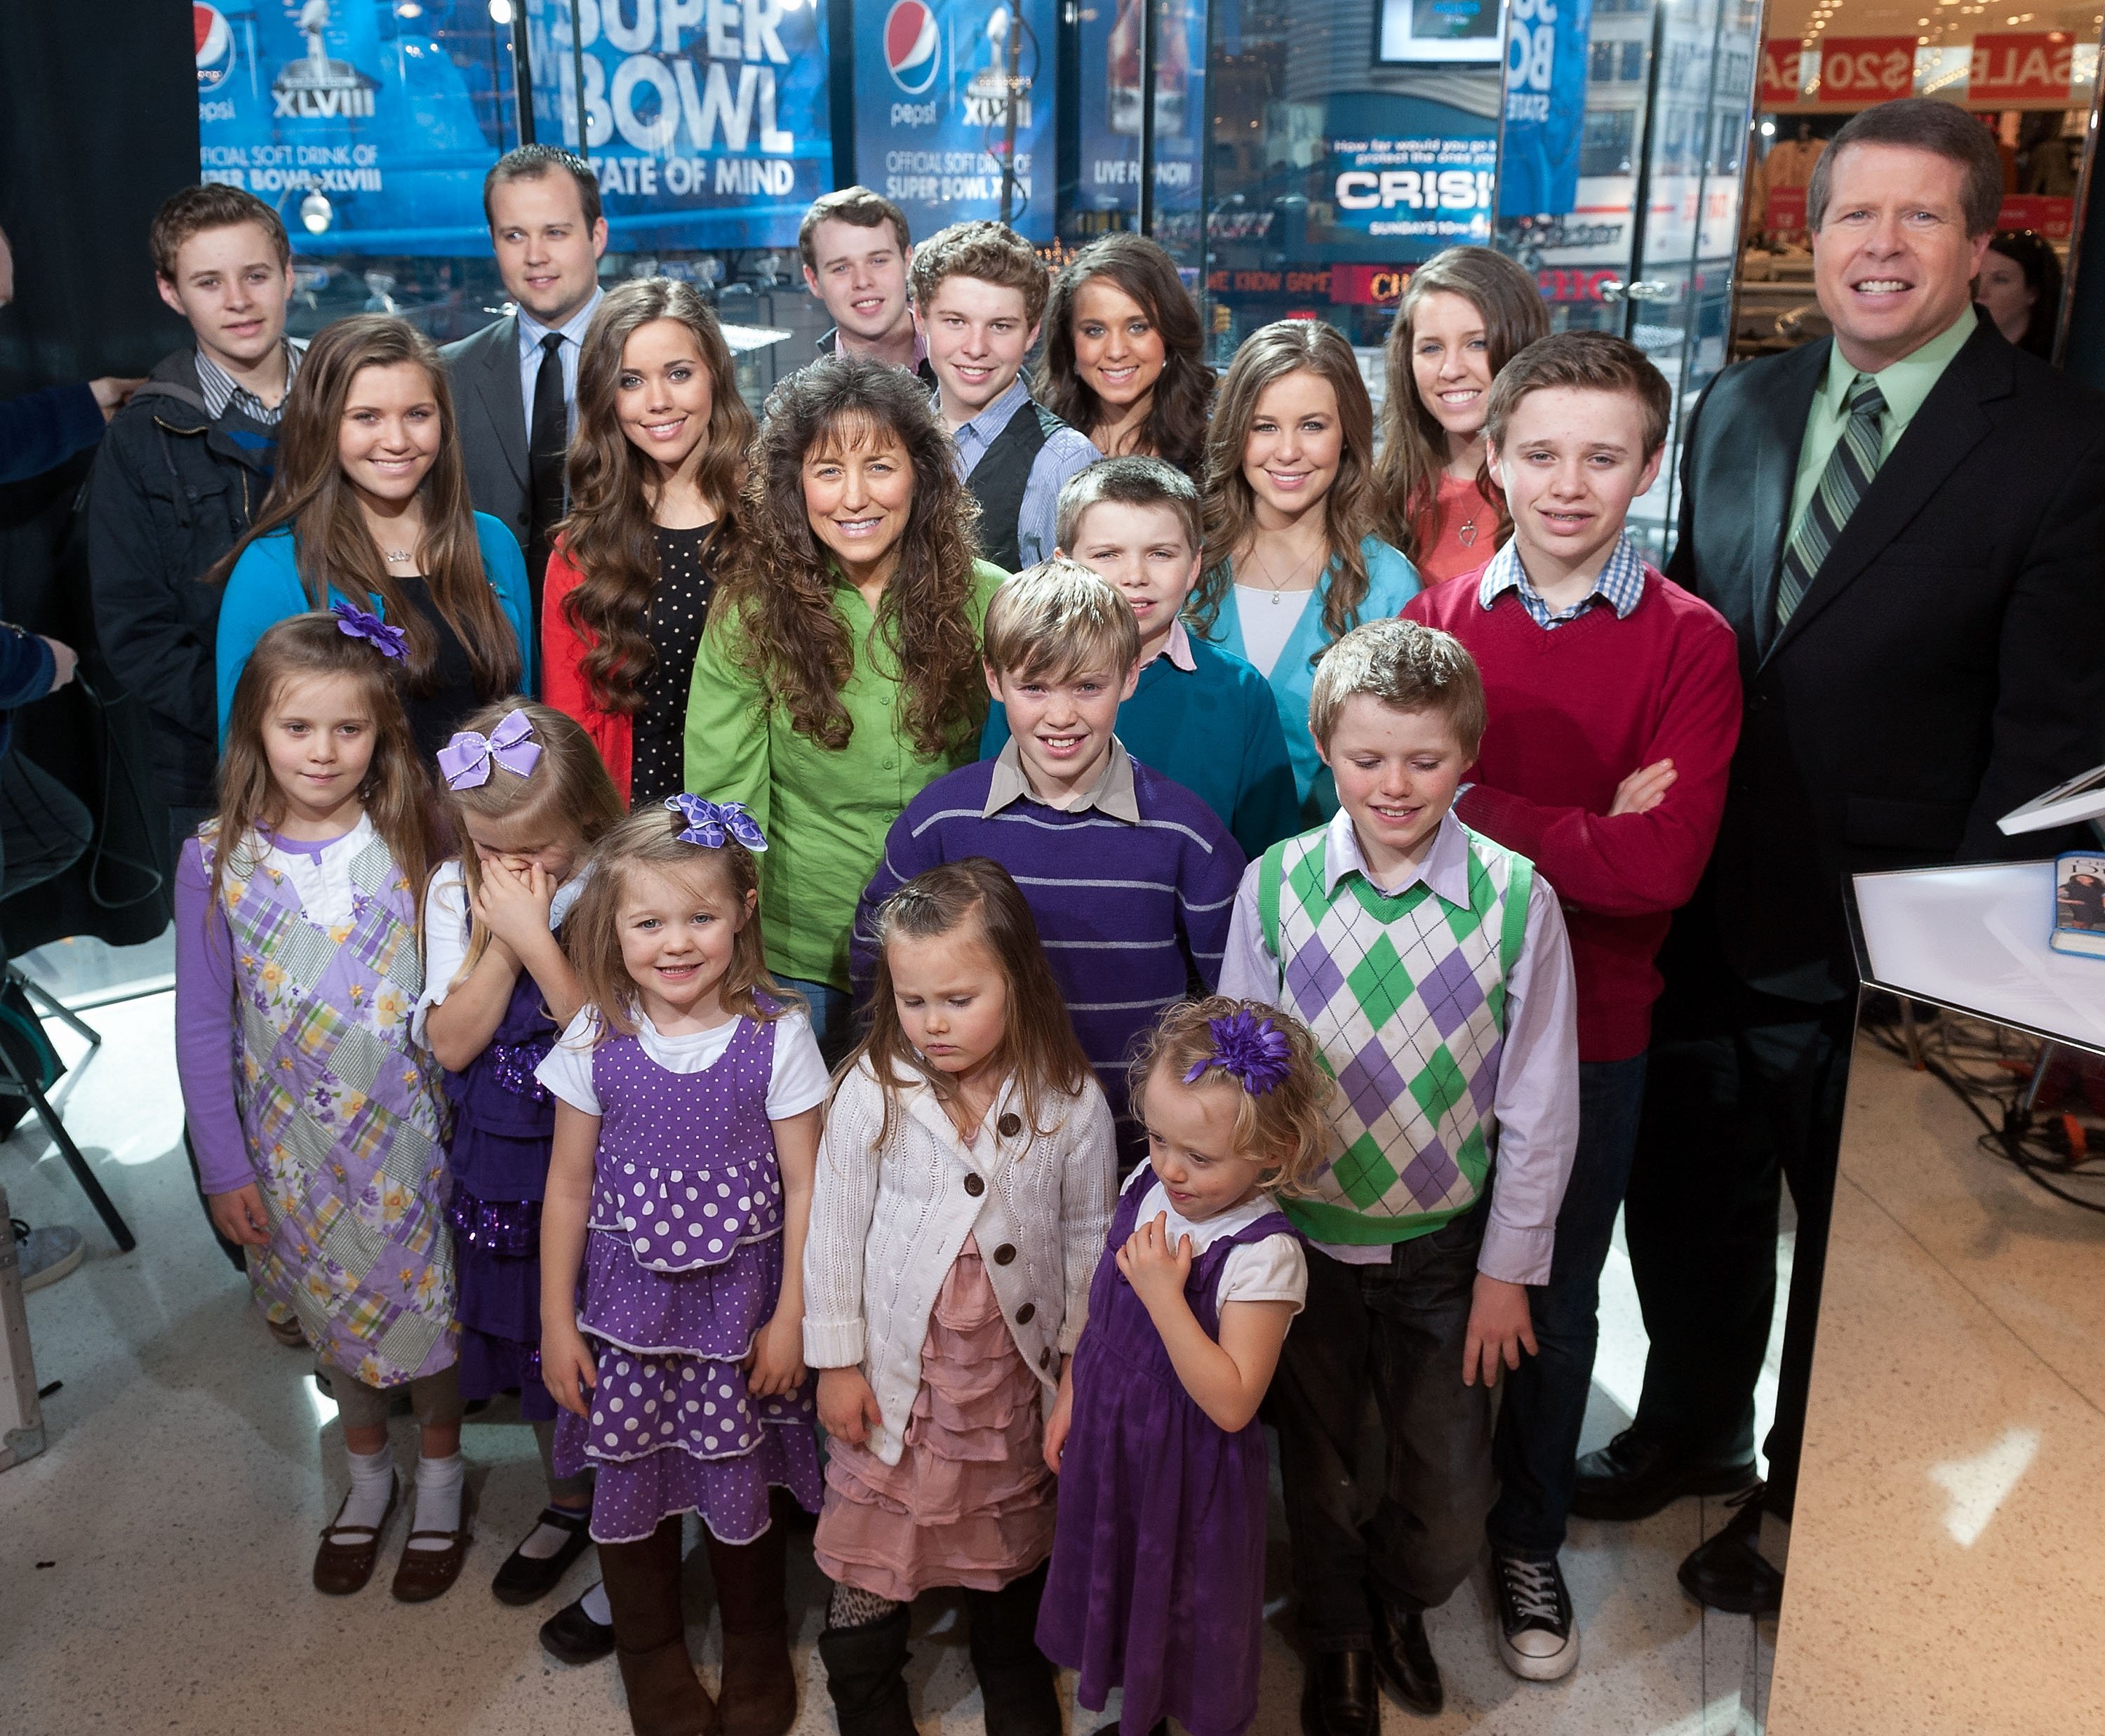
<point>1904,383</point>
<point>825,813</point>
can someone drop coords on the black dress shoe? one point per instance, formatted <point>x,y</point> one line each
<point>1632,1478</point>
<point>1728,1572</point>
<point>527,1579</point>
<point>572,1636</point>
<point>1404,1659</point>
<point>1338,1697</point>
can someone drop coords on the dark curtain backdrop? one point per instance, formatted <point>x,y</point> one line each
<point>98,125</point>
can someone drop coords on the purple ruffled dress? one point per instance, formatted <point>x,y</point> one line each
<point>683,1265</point>
<point>1157,1582</point>
<point>503,1122</point>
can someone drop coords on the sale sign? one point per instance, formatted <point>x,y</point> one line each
<point>1783,72</point>
<point>2031,66</point>
<point>1856,71</point>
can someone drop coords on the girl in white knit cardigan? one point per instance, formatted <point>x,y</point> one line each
<point>964,1189</point>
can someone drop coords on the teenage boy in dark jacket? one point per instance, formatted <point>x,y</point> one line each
<point>183,470</point>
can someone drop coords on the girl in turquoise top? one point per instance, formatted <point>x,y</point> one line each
<point>369,506</point>
<point>1291,563</point>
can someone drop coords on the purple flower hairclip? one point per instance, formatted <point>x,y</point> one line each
<point>710,823</point>
<point>465,761</point>
<point>1253,1050</point>
<point>355,624</point>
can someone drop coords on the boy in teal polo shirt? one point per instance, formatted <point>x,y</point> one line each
<point>1430,965</point>
<point>1200,716</point>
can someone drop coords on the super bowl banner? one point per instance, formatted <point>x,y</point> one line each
<point>1545,106</point>
<point>1110,102</point>
<point>706,120</point>
<point>366,123</point>
<point>943,90</point>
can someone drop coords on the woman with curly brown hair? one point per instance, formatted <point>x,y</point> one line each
<point>654,472</point>
<point>840,669</point>
<point>1125,357</point>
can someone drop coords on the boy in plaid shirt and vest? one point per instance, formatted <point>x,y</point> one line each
<point>1431,966</point>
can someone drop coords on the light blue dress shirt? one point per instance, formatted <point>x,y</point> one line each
<point>1391,582</point>
<point>531,331</point>
<point>1065,451</point>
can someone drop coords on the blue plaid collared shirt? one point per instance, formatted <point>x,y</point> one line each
<point>1621,584</point>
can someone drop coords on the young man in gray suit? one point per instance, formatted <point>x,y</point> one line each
<point>515,381</point>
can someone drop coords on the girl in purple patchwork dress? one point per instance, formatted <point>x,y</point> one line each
<point>1157,1582</point>
<point>964,1184</point>
<point>687,1102</point>
<point>529,796</point>
<point>315,1115</point>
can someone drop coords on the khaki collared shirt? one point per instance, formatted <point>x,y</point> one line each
<point>1111,793</point>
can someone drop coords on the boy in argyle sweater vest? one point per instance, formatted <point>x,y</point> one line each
<point>1430,965</point>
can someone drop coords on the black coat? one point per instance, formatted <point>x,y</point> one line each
<point>172,494</point>
<point>1946,664</point>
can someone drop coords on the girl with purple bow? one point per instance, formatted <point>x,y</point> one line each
<point>687,1102</point>
<point>316,1115</point>
<point>528,797</point>
<point>1157,1582</point>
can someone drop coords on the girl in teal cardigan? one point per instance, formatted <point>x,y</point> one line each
<point>370,507</point>
<point>1290,561</point>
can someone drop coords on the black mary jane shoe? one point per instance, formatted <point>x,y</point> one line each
<point>527,1579</point>
<point>570,1636</point>
<point>1404,1659</point>
<point>1338,1697</point>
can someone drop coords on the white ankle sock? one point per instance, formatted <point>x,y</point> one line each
<point>439,1484</point>
<point>596,1606</point>
<point>372,1478</point>
<point>545,1540</point>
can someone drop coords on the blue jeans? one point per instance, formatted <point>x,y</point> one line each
<point>833,1017</point>
<point>1536,1446</point>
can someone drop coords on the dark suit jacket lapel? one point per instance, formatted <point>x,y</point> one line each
<point>1949,426</point>
<point>1783,407</point>
<point>497,382</point>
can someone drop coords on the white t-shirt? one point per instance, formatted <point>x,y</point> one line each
<point>446,932</point>
<point>1272,1270</point>
<point>1269,619</point>
<point>320,875</point>
<point>797,1083</point>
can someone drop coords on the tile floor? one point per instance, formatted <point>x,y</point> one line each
<point>154,1559</point>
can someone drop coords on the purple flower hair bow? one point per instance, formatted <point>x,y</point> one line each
<point>465,761</point>
<point>355,624</point>
<point>710,823</point>
<point>1253,1050</point>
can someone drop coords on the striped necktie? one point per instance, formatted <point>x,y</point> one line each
<point>1850,467</point>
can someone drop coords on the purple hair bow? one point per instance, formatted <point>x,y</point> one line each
<point>465,761</point>
<point>710,823</point>
<point>1253,1050</point>
<point>355,624</point>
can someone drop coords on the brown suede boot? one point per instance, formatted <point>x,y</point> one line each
<point>665,1696</point>
<point>757,1695</point>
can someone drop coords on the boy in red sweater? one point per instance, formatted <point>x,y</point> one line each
<point>1614,697</point>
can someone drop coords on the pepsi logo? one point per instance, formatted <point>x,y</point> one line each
<point>214,45</point>
<point>913,46</point>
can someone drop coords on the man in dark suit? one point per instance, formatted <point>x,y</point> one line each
<point>1906,527</point>
<point>515,381</point>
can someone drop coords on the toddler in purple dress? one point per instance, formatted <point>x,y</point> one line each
<point>1157,1580</point>
<point>529,796</point>
<point>687,1105</point>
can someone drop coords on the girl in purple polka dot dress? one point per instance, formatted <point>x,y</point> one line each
<point>688,1097</point>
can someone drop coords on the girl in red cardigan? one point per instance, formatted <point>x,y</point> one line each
<point>654,471</point>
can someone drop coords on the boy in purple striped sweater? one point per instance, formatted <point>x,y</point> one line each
<point>1131,878</point>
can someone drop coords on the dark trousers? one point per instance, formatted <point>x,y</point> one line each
<point>43,828</point>
<point>1745,1092</point>
<point>1536,1446</point>
<point>1398,1328</point>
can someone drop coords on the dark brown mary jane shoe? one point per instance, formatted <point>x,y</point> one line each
<point>344,1562</point>
<point>423,1574</point>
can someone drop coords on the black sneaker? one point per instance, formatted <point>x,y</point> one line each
<point>1538,1635</point>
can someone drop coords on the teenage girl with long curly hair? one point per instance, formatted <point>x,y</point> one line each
<point>654,472</point>
<point>1291,562</point>
<point>840,669</point>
